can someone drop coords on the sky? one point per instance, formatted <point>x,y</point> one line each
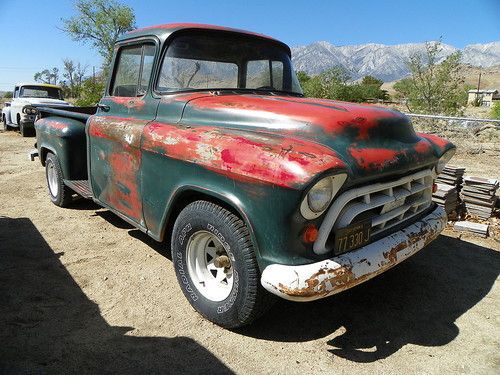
<point>32,39</point>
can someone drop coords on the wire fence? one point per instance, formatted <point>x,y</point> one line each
<point>471,135</point>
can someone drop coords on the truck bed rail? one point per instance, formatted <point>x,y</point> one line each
<point>79,113</point>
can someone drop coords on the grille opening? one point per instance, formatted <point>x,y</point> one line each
<point>387,205</point>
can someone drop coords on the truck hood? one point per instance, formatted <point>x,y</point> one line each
<point>42,101</point>
<point>371,141</point>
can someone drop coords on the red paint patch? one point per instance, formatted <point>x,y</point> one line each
<point>129,102</point>
<point>442,143</point>
<point>122,189</point>
<point>373,158</point>
<point>422,147</point>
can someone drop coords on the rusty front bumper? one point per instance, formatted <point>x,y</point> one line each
<point>318,280</point>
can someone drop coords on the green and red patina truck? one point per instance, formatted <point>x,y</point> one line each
<point>204,140</point>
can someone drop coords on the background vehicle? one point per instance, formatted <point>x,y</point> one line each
<point>204,138</point>
<point>33,95</point>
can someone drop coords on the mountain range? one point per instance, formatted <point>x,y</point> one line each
<point>386,62</point>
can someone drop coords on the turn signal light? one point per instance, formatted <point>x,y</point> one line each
<point>310,234</point>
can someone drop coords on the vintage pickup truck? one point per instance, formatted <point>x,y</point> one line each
<point>204,140</point>
<point>20,112</point>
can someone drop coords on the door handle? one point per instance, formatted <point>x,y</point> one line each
<point>103,107</point>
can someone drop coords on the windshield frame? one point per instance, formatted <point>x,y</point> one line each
<point>271,42</point>
<point>41,88</point>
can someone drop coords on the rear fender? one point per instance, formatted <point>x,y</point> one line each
<point>66,139</point>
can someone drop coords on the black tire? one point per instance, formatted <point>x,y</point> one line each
<point>25,132</point>
<point>247,299</point>
<point>5,126</point>
<point>60,194</point>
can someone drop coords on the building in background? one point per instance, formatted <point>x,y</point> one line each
<point>482,97</point>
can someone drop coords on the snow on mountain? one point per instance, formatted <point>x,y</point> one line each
<point>380,60</point>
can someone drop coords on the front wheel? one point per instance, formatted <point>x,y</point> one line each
<point>59,193</point>
<point>216,266</point>
<point>25,132</point>
<point>5,126</point>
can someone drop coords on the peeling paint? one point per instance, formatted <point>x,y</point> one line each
<point>270,159</point>
<point>318,280</point>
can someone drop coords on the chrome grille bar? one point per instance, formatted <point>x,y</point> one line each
<point>390,203</point>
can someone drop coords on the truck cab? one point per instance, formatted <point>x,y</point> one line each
<point>20,112</point>
<point>203,139</point>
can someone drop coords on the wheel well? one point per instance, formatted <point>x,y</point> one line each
<point>186,198</point>
<point>43,155</point>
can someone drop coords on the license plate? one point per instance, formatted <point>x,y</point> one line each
<point>352,237</point>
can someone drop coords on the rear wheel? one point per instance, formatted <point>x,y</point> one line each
<point>59,193</point>
<point>216,266</point>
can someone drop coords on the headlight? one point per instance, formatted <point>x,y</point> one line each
<point>29,110</point>
<point>321,195</point>
<point>443,160</point>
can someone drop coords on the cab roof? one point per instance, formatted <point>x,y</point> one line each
<point>165,30</point>
<point>38,84</point>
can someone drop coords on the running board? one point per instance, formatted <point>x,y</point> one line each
<point>80,187</point>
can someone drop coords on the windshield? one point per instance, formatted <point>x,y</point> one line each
<point>217,61</point>
<point>41,92</point>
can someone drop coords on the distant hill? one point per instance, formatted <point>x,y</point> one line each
<point>382,61</point>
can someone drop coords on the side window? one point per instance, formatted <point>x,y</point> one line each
<point>147,67</point>
<point>133,70</point>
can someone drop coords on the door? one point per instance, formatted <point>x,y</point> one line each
<point>115,132</point>
<point>14,106</point>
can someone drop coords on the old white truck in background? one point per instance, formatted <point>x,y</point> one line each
<point>29,95</point>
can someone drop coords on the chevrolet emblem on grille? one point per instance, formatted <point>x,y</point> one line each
<point>392,205</point>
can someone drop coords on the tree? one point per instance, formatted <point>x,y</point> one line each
<point>91,91</point>
<point>54,75</point>
<point>100,22</point>
<point>69,75</point>
<point>303,77</point>
<point>8,95</point>
<point>372,81</point>
<point>335,84</point>
<point>434,88</point>
<point>45,76</point>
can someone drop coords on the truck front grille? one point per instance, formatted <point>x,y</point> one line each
<point>384,204</point>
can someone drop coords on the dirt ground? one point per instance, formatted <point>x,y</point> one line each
<point>82,291</point>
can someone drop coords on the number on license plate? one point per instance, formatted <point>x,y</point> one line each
<point>352,237</point>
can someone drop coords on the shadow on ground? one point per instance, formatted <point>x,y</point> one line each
<point>48,325</point>
<point>417,303</point>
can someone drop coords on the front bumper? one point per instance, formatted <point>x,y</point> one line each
<point>321,279</point>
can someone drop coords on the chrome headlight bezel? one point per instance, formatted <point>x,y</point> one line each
<point>444,159</point>
<point>320,195</point>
